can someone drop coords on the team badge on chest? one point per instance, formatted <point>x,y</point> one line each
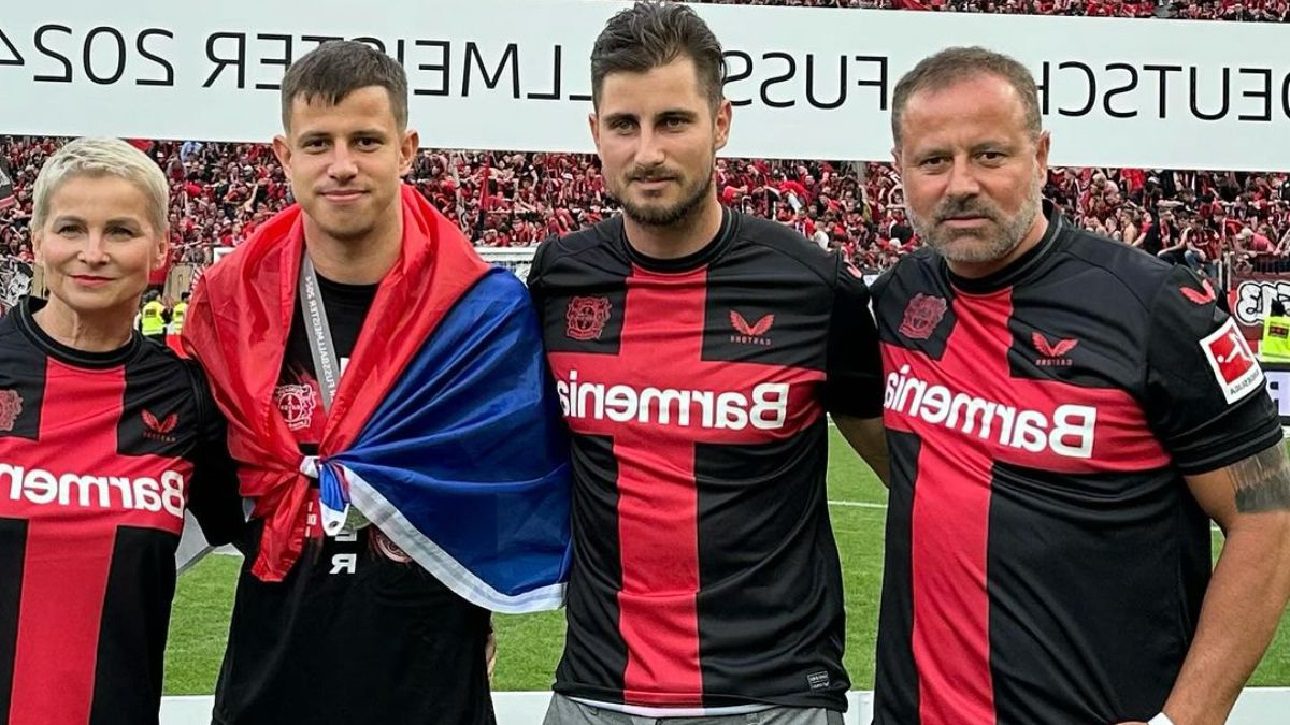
<point>296,403</point>
<point>10,409</point>
<point>922,315</point>
<point>587,317</point>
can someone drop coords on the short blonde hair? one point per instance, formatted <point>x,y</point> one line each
<point>93,156</point>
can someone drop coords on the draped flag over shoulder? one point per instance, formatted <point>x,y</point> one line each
<point>444,426</point>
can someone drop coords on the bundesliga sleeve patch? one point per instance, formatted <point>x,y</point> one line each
<point>1234,366</point>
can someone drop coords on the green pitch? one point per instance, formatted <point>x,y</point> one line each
<point>529,645</point>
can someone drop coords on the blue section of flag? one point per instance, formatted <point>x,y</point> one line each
<point>469,447</point>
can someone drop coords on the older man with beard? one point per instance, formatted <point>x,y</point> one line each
<point>1065,416</point>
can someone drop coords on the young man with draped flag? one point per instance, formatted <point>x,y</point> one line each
<point>391,416</point>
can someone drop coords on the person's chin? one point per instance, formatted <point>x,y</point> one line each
<point>652,214</point>
<point>967,248</point>
<point>346,227</point>
<point>92,301</point>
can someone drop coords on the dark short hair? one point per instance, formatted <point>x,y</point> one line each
<point>336,69</point>
<point>651,34</point>
<point>955,65</point>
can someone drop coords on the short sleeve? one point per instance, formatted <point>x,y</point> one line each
<point>1206,398</point>
<point>537,270</point>
<point>214,498</point>
<point>854,366</point>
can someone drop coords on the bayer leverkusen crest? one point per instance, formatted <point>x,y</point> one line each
<point>296,403</point>
<point>922,315</point>
<point>587,317</point>
<point>10,409</point>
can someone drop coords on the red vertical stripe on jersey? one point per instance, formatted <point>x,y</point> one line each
<point>951,517</point>
<point>65,576</point>
<point>658,609</point>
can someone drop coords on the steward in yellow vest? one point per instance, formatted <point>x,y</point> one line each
<point>1275,346</point>
<point>177,315</point>
<point>151,321</point>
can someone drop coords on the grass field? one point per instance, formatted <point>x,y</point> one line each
<point>529,645</point>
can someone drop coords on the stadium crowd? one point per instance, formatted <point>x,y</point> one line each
<point>221,192</point>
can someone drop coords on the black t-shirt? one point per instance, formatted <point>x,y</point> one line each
<point>705,575</point>
<point>100,453</point>
<point>356,633</point>
<point>1045,559</point>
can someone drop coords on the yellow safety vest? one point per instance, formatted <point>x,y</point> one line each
<point>152,322</point>
<point>177,318</point>
<point>1276,339</point>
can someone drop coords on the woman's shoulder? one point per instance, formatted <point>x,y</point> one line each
<point>162,369</point>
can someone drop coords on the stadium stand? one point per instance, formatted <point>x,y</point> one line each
<point>220,192</point>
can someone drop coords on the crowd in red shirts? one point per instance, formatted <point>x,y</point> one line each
<point>221,192</point>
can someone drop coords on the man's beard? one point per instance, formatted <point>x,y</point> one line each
<point>654,216</point>
<point>1009,234</point>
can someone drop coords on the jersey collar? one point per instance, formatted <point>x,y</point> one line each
<point>1020,267</point>
<point>70,355</point>
<point>707,254</point>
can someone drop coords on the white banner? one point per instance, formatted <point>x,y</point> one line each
<point>1277,376</point>
<point>513,74</point>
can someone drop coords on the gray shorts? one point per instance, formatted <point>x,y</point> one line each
<point>564,711</point>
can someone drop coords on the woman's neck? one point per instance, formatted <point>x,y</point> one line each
<point>104,332</point>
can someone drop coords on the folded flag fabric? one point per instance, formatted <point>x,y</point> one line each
<point>444,430</point>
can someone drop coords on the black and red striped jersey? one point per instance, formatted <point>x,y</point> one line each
<point>1045,560</point>
<point>705,575</point>
<point>100,454</point>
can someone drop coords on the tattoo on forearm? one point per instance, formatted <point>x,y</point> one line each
<point>1262,481</point>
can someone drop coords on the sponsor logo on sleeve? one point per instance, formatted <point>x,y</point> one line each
<point>1235,369</point>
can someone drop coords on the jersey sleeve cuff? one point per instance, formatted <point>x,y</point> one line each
<point>1212,454</point>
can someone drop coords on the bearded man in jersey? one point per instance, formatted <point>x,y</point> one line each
<point>697,354</point>
<point>393,428</point>
<point>1066,415</point>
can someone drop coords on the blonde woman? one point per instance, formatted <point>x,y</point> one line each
<point>105,440</point>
